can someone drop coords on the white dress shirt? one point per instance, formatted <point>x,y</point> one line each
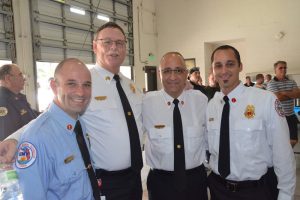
<point>259,137</point>
<point>157,111</point>
<point>106,122</point>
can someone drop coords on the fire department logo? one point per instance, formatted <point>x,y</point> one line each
<point>278,108</point>
<point>26,155</point>
<point>250,111</point>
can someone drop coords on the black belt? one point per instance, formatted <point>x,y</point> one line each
<point>101,172</point>
<point>235,186</point>
<point>188,171</point>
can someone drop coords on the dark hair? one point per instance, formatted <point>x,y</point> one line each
<point>194,69</point>
<point>225,47</point>
<point>269,76</point>
<point>279,62</point>
<point>258,76</point>
<point>248,77</point>
<point>4,70</point>
<point>108,25</point>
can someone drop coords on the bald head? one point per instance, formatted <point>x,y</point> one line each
<point>72,86</point>
<point>173,73</point>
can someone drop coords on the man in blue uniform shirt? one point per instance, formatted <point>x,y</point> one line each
<point>15,111</point>
<point>49,161</point>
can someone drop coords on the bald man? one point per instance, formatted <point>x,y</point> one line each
<point>176,158</point>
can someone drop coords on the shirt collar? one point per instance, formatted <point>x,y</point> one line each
<point>169,100</point>
<point>104,73</point>
<point>62,118</point>
<point>235,94</point>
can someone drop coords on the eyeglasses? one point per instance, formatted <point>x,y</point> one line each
<point>282,68</point>
<point>177,71</point>
<point>20,75</point>
<point>107,43</point>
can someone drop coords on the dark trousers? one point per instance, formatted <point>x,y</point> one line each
<point>161,185</point>
<point>120,185</point>
<point>293,127</point>
<point>221,191</point>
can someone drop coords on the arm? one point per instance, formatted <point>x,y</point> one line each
<point>33,172</point>
<point>282,96</point>
<point>8,147</point>
<point>282,153</point>
<point>292,94</point>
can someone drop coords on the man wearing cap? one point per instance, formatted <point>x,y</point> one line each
<point>15,111</point>
<point>175,148</point>
<point>247,134</point>
<point>195,79</point>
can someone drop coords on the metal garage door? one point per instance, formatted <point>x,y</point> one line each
<point>7,35</point>
<point>59,33</point>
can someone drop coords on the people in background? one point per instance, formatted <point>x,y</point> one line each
<point>196,80</point>
<point>268,78</point>
<point>248,83</point>
<point>260,81</point>
<point>247,134</point>
<point>212,87</point>
<point>175,154</point>
<point>15,110</point>
<point>286,91</point>
<point>49,161</point>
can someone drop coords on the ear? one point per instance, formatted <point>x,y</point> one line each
<point>53,85</point>
<point>94,46</point>
<point>241,67</point>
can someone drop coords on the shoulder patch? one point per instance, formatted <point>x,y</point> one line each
<point>26,155</point>
<point>3,111</point>
<point>278,108</point>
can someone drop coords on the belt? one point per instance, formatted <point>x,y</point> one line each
<point>188,171</point>
<point>101,172</point>
<point>235,186</point>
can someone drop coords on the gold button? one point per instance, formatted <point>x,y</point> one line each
<point>129,113</point>
<point>178,146</point>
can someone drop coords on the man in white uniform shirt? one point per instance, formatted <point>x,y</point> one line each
<point>105,121</point>
<point>157,111</point>
<point>258,137</point>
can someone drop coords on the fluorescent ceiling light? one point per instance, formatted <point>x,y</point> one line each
<point>77,10</point>
<point>103,17</point>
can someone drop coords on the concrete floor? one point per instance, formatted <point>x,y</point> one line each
<point>145,171</point>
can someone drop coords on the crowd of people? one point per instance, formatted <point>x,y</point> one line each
<point>88,143</point>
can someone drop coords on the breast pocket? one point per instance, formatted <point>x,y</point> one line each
<point>71,169</point>
<point>195,138</point>
<point>213,136</point>
<point>102,103</point>
<point>250,135</point>
<point>161,139</point>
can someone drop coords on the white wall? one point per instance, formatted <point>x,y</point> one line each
<point>251,25</point>
<point>145,37</point>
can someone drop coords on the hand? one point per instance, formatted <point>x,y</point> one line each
<point>8,150</point>
<point>293,142</point>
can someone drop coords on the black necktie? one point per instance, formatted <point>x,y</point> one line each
<point>135,146</point>
<point>179,159</point>
<point>87,161</point>
<point>224,147</point>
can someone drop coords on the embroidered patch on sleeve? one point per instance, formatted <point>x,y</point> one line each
<point>278,108</point>
<point>26,155</point>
